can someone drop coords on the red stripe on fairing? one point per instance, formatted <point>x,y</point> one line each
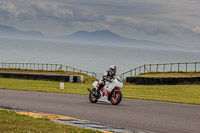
<point>117,90</point>
<point>97,86</point>
<point>105,91</point>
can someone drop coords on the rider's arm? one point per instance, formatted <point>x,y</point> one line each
<point>106,78</point>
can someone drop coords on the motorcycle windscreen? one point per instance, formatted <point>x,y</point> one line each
<point>95,84</point>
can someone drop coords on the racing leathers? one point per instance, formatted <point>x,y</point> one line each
<point>107,76</point>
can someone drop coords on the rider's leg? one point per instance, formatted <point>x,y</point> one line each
<point>99,88</point>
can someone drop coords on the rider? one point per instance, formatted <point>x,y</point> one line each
<point>107,76</point>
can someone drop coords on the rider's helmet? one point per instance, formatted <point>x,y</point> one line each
<point>112,70</point>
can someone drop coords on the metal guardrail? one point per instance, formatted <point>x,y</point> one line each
<point>45,67</point>
<point>166,67</point>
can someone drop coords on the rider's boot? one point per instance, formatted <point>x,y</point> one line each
<point>98,93</point>
<point>98,90</point>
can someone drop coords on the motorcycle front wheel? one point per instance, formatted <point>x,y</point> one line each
<point>92,98</point>
<point>116,98</point>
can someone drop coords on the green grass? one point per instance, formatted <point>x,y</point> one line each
<point>43,86</point>
<point>11,122</point>
<point>189,94</point>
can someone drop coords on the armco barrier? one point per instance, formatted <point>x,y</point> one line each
<point>163,81</point>
<point>166,67</point>
<point>54,77</point>
<point>46,67</point>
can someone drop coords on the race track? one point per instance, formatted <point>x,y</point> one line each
<point>152,116</point>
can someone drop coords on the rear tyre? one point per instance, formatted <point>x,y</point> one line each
<point>116,99</point>
<point>92,98</point>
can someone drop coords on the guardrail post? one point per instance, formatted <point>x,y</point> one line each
<point>178,66</point>
<point>56,67</point>
<point>171,68</point>
<point>150,67</point>
<point>135,71</point>
<point>66,68</point>
<point>157,68</point>
<point>164,68</point>
<point>30,65</point>
<point>139,70</point>
<point>61,66</point>
<point>195,66</point>
<point>186,66</point>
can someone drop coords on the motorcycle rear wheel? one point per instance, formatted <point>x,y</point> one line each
<point>92,98</point>
<point>116,99</point>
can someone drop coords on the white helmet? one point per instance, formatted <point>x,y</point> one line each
<point>112,70</point>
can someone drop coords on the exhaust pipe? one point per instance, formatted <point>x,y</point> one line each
<point>93,93</point>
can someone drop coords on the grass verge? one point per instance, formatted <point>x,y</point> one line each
<point>189,94</point>
<point>11,122</point>
<point>43,86</point>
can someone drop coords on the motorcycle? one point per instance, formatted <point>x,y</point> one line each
<point>111,91</point>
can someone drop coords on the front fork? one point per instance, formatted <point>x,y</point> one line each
<point>113,95</point>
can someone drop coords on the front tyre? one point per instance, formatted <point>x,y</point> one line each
<point>92,98</point>
<point>116,97</point>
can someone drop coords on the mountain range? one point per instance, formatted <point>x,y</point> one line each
<point>7,31</point>
<point>100,37</point>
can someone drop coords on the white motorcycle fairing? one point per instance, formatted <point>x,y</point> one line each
<point>109,86</point>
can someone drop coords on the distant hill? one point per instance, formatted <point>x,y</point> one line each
<point>100,37</point>
<point>7,31</point>
<point>107,37</point>
<point>101,34</point>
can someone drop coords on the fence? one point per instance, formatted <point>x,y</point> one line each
<point>45,67</point>
<point>166,67</point>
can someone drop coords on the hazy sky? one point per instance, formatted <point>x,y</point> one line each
<point>167,21</point>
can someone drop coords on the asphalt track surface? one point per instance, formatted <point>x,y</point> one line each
<point>141,115</point>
